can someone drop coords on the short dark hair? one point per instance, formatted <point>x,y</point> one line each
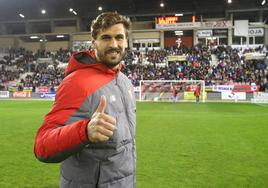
<point>108,19</point>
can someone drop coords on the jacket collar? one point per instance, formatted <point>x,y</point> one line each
<point>86,59</point>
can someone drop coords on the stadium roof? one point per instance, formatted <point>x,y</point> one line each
<point>31,9</point>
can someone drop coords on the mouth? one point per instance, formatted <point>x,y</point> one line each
<point>113,52</point>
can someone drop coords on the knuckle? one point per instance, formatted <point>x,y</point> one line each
<point>113,120</point>
<point>111,127</point>
<point>92,122</point>
<point>100,114</point>
<point>94,115</point>
<point>98,135</point>
<point>101,121</point>
<point>98,129</point>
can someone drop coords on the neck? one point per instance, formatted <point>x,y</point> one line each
<point>116,67</point>
<point>113,67</point>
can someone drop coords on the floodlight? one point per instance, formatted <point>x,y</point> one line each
<point>21,15</point>
<point>60,36</point>
<point>34,37</point>
<point>74,12</point>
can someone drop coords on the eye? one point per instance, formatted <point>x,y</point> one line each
<point>105,37</point>
<point>119,37</point>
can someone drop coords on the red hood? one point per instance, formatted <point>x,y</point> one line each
<point>89,60</point>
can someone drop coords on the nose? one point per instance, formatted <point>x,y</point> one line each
<point>113,43</point>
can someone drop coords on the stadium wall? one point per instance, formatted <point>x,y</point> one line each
<point>32,46</point>
<point>7,41</point>
<point>82,37</point>
<point>146,35</point>
<point>67,29</point>
<point>210,97</point>
<point>142,25</point>
<point>54,46</point>
<point>141,30</point>
<point>186,41</point>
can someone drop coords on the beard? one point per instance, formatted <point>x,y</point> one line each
<point>110,57</point>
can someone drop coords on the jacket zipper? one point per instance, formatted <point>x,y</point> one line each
<point>116,76</point>
<point>131,133</point>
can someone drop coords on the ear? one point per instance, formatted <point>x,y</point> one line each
<point>93,44</point>
<point>126,43</point>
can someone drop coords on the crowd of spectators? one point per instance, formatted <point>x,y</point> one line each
<point>22,68</point>
<point>215,65</point>
<point>229,65</point>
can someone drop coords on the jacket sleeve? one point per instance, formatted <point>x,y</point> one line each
<point>55,141</point>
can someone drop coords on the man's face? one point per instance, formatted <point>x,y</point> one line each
<point>110,45</point>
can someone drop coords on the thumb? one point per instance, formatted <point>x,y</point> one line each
<point>102,104</point>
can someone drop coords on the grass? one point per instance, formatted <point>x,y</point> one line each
<point>18,166</point>
<point>202,145</point>
<point>178,145</point>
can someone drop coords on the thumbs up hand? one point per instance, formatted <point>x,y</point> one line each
<point>101,126</point>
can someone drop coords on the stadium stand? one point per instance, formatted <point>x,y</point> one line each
<point>197,44</point>
<point>24,69</point>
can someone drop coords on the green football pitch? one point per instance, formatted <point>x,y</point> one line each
<point>217,145</point>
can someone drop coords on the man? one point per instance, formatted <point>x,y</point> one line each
<point>197,93</point>
<point>175,94</point>
<point>91,126</point>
